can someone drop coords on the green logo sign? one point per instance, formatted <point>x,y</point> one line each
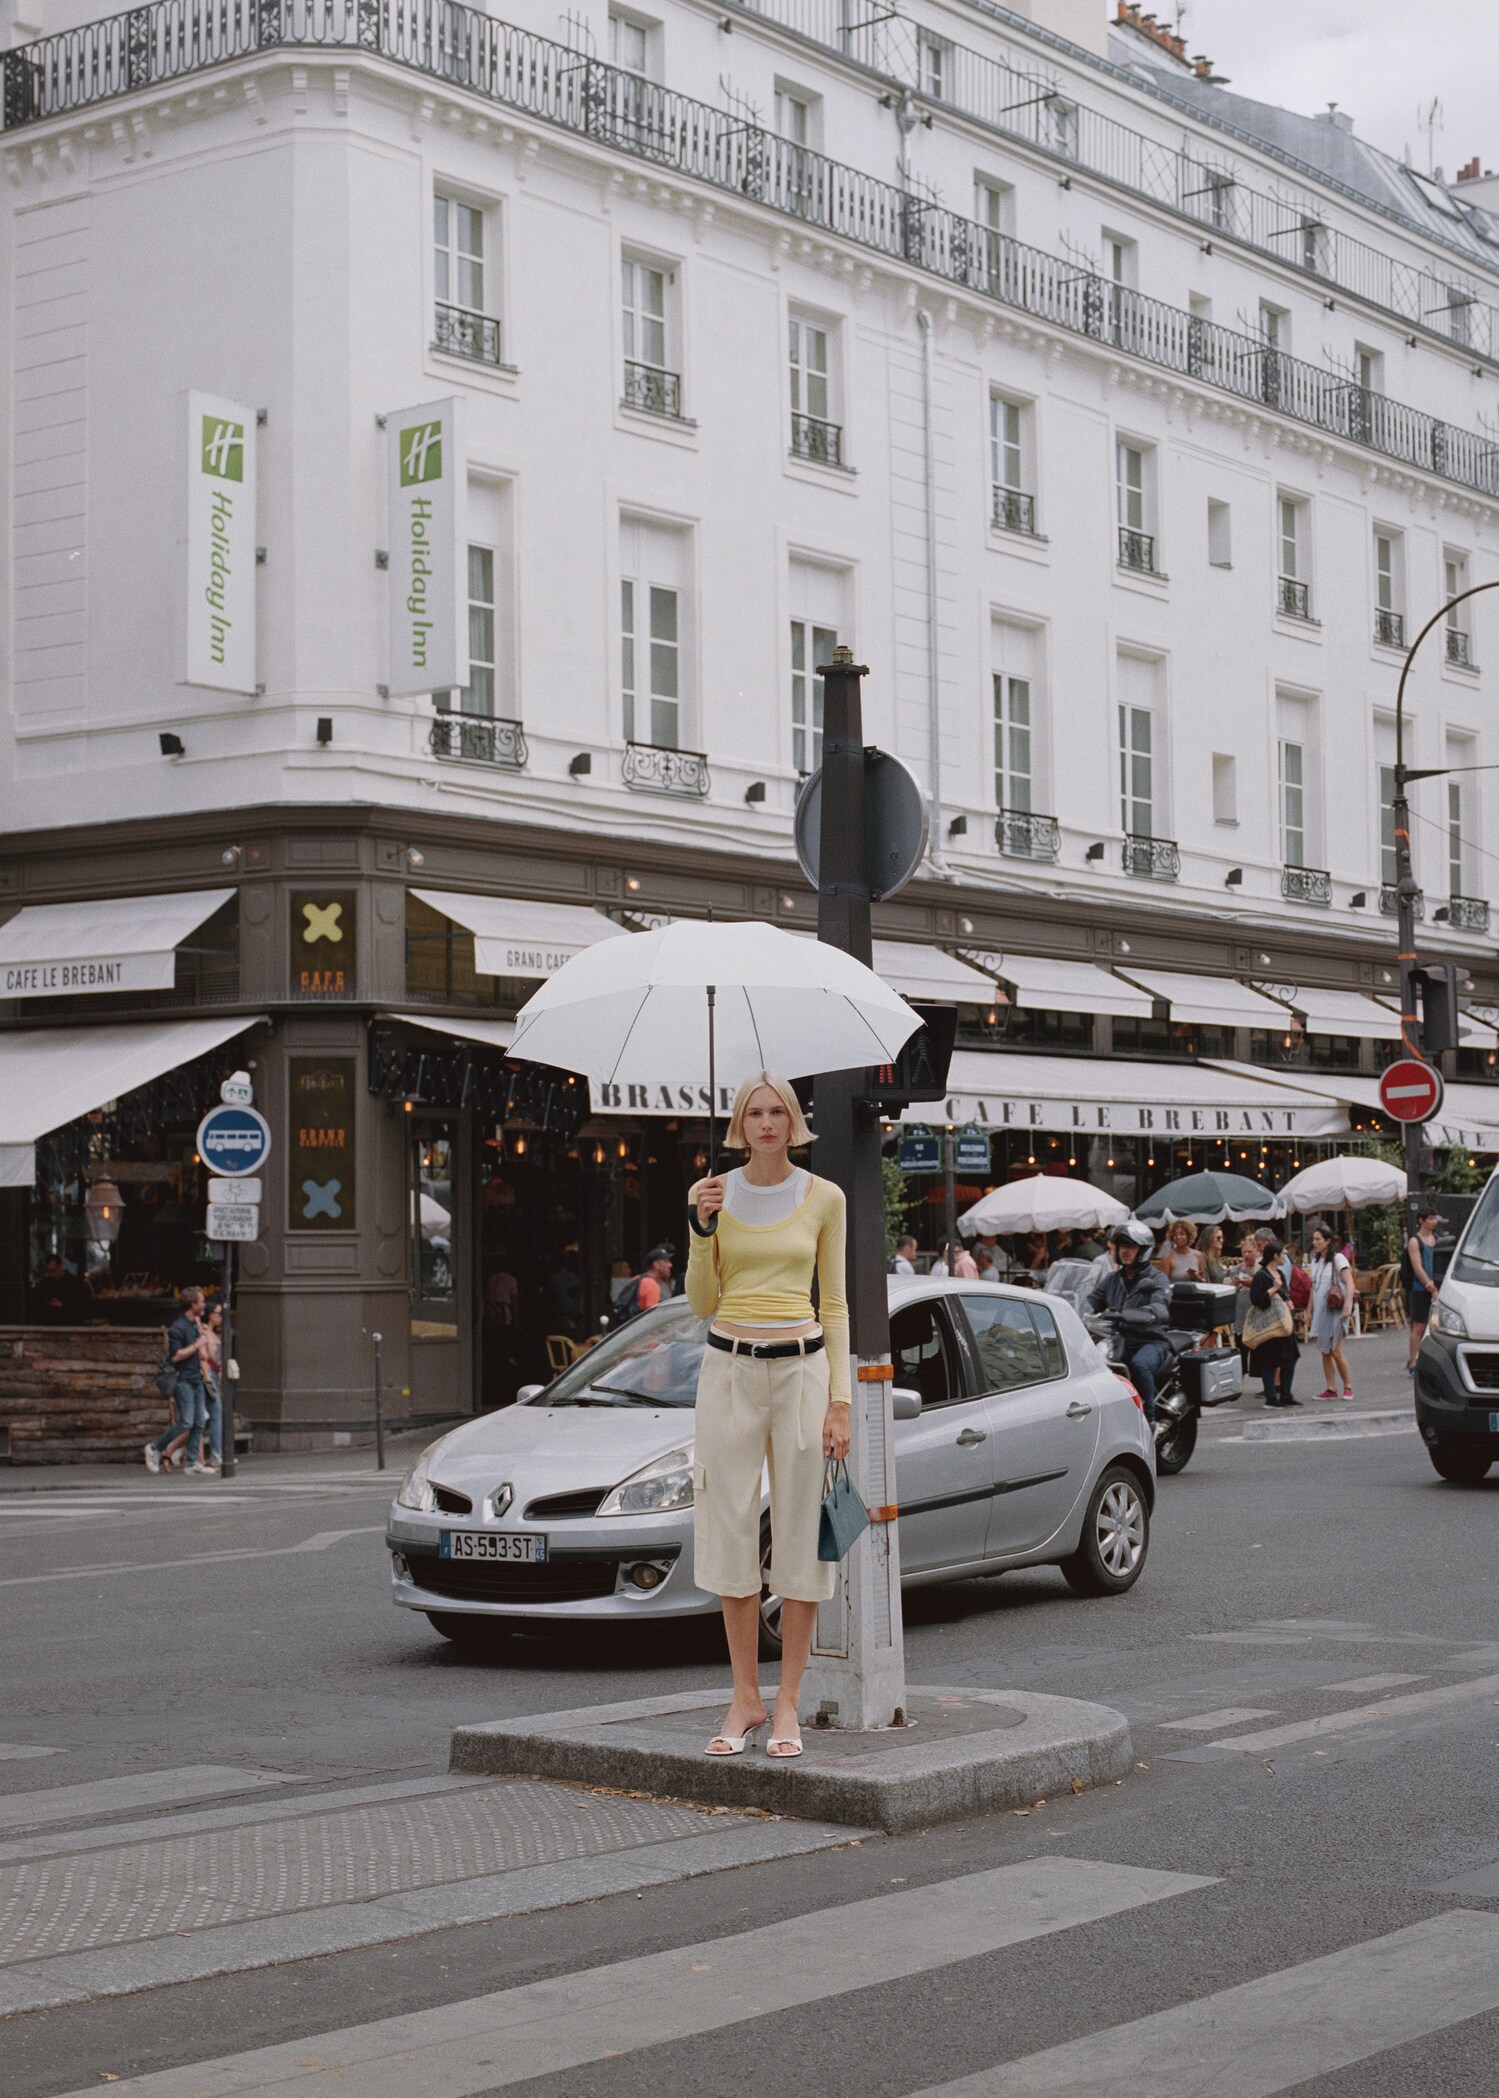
<point>223,448</point>
<point>421,454</point>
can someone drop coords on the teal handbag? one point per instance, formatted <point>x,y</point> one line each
<point>844,1516</point>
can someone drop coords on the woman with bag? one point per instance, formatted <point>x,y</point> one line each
<point>1269,1329</point>
<point>1332,1299</point>
<point>774,1388</point>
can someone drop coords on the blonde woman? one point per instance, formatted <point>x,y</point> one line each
<point>774,1389</point>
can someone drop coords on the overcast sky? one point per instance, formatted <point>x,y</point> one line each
<point>1377,59</point>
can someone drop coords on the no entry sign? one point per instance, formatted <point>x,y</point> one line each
<point>1410,1092</point>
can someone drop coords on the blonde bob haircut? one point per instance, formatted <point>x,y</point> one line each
<point>734,1137</point>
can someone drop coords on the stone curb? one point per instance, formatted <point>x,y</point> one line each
<point>1319,1427</point>
<point>1035,1747</point>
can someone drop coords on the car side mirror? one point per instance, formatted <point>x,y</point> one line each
<point>528,1392</point>
<point>906,1403</point>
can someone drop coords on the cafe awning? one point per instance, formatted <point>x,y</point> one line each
<point>1084,1095</point>
<point>1208,1001</point>
<point>1347,1013</point>
<point>930,973</point>
<point>1038,984</point>
<point>114,943</point>
<point>51,1075</point>
<point>1469,1117</point>
<point>494,1034</point>
<point>515,937</point>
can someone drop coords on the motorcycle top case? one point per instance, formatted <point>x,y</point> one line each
<point>1197,1307</point>
<point>1210,1376</point>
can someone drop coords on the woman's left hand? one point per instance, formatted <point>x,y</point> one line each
<point>836,1433</point>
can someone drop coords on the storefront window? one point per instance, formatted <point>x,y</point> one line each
<point>1017,1027</point>
<point>1317,1052</point>
<point>440,965</point>
<point>1171,1038</point>
<point>433,1250</point>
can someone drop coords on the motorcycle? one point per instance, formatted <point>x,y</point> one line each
<point>1198,1374</point>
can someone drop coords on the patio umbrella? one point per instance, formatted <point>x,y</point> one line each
<point>1343,1183</point>
<point>1209,1198</point>
<point>1048,1202</point>
<point>674,1001</point>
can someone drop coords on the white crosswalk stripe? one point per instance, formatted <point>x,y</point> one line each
<point>1421,1704</point>
<point>548,2027</point>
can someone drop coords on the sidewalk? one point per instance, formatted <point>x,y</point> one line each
<point>1380,1381</point>
<point>283,1468</point>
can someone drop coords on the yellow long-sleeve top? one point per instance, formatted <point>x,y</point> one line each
<point>763,1272</point>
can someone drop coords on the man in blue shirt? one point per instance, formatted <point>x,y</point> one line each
<point>185,1345</point>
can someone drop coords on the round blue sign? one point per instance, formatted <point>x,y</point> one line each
<point>234,1140</point>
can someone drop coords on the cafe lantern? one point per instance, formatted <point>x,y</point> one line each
<point>103,1205</point>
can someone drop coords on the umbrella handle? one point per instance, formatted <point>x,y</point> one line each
<point>712,1088</point>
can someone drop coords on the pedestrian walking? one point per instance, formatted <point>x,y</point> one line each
<point>960,1262</point>
<point>1268,1325</point>
<point>1291,1353</point>
<point>1332,1300</point>
<point>1419,1279</point>
<point>643,1292</point>
<point>185,1353</point>
<point>774,1387</point>
<point>904,1262</point>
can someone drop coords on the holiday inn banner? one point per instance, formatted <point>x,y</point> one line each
<point>428,481</point>
<point>220,618</point>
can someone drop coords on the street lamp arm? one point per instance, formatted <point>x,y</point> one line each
<point>1436,619</point>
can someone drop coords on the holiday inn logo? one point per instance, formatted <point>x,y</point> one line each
<point>223,448</point>
<point>421,454</point>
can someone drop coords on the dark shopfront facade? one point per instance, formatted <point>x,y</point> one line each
<point>465,1209</point>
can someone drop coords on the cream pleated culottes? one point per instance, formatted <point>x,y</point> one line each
<point>750,1414</point>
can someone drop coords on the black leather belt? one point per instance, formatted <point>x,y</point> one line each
<point>768,1350</point>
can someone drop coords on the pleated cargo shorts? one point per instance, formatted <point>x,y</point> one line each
<point>749,1415</point>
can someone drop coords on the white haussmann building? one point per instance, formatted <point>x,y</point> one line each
<point>439,448</point>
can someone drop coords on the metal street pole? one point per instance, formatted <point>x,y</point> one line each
<point>950,1195</point>
<point>1405,896</point>
<point>228,1462</point>
<point>857,1674</point>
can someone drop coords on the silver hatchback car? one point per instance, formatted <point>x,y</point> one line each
<point>1015,1444</point>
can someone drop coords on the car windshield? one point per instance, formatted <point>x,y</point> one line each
<point>653,1361</point>
<point>1478,1260</point>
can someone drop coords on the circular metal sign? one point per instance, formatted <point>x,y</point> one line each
<point>1410,1091</point>
<point>895,823</point>
<point>234,1140</point>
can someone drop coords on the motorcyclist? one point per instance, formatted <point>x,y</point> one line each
<point>1138,1295</point>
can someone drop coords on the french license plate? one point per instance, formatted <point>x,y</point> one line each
<point>491,1544</point>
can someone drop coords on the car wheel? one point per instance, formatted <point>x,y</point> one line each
<point>472,1633</point>
<point>1173,1453</point>
<point>1116,1537</point>
<point>1462,1467</point>
<point>770,1603</point>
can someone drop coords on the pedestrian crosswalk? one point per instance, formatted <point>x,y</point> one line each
<point>1274,2031</point>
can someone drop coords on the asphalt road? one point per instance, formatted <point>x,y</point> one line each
<point>1310,1666</point>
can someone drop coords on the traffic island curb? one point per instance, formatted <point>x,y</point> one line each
<point>962,1752</point>
<point>1320,1427</point>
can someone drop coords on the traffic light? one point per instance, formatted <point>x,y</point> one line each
<point>1436,988</point>
<point>920,1071</point>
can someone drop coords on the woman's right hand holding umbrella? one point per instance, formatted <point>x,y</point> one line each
<point>709,1199</point>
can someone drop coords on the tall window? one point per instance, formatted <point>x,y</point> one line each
<point>1005,464</point>
<point>1455,581</point>
<point>1136,771</point>
<point>994,205</point>
<point>1459,314</point>
<point>1014,763</point>
<point>1129,482</point>
<point>1384,572</point>
<point>1455,838</point>
<point>644,302</point>
<point>458,241</point>
<point>935,58</point>
<point>478,694</point>
<point>810,646</point>
<point>650,668</point>
<point>1290,539</point>
<point>1274,326</point>
<point>1388,871</point>
<point>1064,127</point>
<point>809,369</point>
<point>793,117</point>
<point>629,44</point>
<point>1292,804</point>
<point>1370,365</point>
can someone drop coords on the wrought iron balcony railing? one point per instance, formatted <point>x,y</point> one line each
<point>1389,900</point>
<point>1021,834</point>
<point>652,768</point>
<point>1467,913</point>
<point>1389,628</point>
<point>475,54</point>
<point>1014,512</point>
<point>1459,648</point>
<point>1152,859</point>
<point>654,391</point>
<point>1294,599</point>
<point>483,739</point>
<point>1137,551</point>
<point>1306,885</point>
<point>813,439</point>
<point>463,333</point>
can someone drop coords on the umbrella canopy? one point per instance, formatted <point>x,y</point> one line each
<point>1210,1198</point>
<point>1047,1202</point>
<point>1343,1183</point>
<point>639,1007</point>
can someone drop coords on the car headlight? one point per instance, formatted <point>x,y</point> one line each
<point>1445,1320</point>
<point>658,1488</point>
<point>416,1487</point>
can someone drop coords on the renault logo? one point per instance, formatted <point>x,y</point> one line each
<point>500,1499</point>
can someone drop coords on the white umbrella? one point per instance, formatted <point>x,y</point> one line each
<point>691,993</point>
<point>1048,1202</point>
<point>1343,1183</point>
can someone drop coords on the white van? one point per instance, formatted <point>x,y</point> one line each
<point>1457,1377</point>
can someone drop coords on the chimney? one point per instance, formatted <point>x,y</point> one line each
<point>1472,170</point>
